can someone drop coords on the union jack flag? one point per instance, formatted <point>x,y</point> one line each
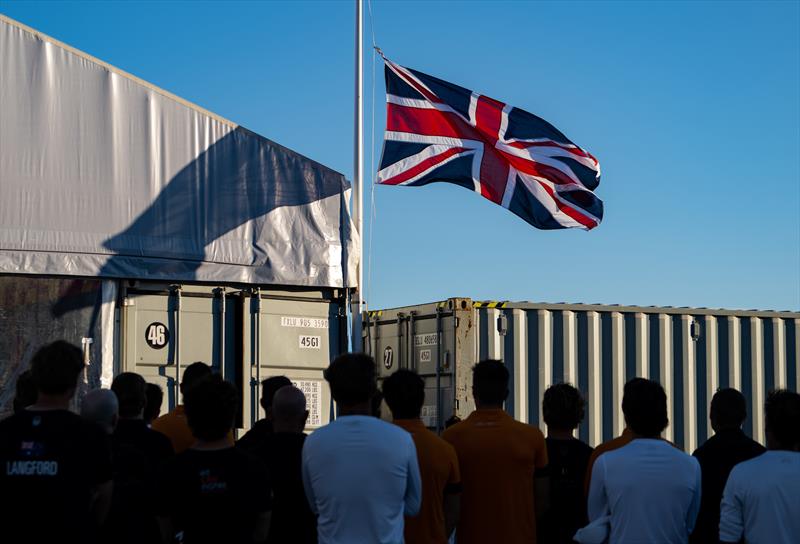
<point>438,131</point>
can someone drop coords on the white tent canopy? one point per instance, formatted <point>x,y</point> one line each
<point>103,174</point>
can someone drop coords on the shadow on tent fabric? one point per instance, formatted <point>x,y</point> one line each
<point>240,178</point>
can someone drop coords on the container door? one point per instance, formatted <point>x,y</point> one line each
<point>389,345</point>
<point>166,331</point>
<point>422,343</point>
<point>295,338</point>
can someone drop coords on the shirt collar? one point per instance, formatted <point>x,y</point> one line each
<point>489,413</point>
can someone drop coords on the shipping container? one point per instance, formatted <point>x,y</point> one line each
<point>692,352</point>
<point>245,333</point>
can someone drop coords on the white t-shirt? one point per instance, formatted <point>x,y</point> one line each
<point>361,476</point>
<point>762,500</point>
<point>651,491</point>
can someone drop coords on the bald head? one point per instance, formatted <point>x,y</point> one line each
<point>101,407</point>
<point>289,412</point>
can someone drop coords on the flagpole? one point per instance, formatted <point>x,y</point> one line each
<point>358,179</point>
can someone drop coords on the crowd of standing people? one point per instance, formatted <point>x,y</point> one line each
<point>119,473</point>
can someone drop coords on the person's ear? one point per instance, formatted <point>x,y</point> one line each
<point>305,417</point>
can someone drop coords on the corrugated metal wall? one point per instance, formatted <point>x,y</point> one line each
<point>691,352</point>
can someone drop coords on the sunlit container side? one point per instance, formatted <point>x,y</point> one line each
<point>692,352</point>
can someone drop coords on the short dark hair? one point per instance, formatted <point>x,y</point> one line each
<point>154,396</point>
<point>211,405</point>
<point>563,406</point>
<point>644,404</point>
<point>25,392</point>
<point>269,387</point>
<point>782,411</point>
<point>193,374</point>
<point>728,408</point>
<point>352,378</point>
<point>404,392</point>
<point>56,367</point>
<point>131,394</point>
<point>490,382</point>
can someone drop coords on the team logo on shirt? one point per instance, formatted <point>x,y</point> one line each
<point>30,466</point>
<point>210,483</point>
<point>31,449</point>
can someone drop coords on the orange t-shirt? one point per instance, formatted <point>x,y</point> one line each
<point>438,468</point>
<point>498,457</point>
<point>175,426</point>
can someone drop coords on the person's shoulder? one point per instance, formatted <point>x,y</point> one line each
<point>679,457</point>
<point>321,433</point>
<point>581,448</point>
<point>610,445</point>
<point>454,431</point>
<point>746,470</point>
<point>755,448</point>
<point>159,440</point>
<point>707,447</point>
<point>160,423</point>
<point>165,420</point>
<point>325,436</point>
<point>753,465</point>
<point>611,453</point>
<point>437,442</point>
<point>530,432</point>
<point>83,427</point>
<point>253,438</point>
<point>390,430</point>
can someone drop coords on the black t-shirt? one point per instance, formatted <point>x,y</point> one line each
<point>138,454</point>
<point>215,496</point>
<point>567,468</point>
<point>257,436</point>
<point>292,520</point>
<point>717,457</point>
<point>49,463</point>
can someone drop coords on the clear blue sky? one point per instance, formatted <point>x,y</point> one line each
<point>693,110</point>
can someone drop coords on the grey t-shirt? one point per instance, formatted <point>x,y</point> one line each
<point>650,489</point>
<point>361,476</point>
<point>760,502</point>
